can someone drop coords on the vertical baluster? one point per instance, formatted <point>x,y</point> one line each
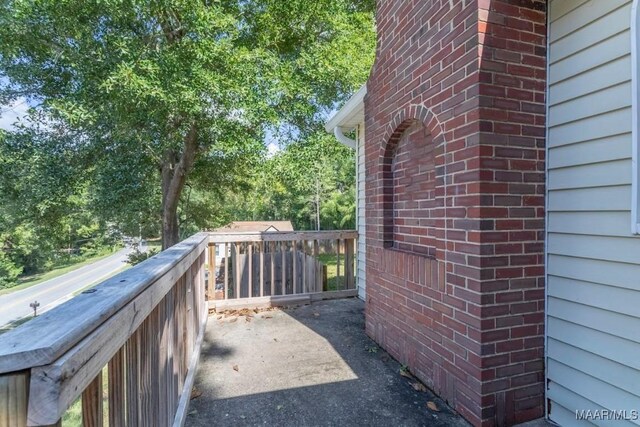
<point>261,269</point>
<point>212,271</point>
<point>161,367</point>
<point>171,387</point>
<point>318,274</point>
<point>338,265</point>
<point>283,269</point>
<point>249,263</point>
<point>304,266</point>
<point>236,269</point>
<point>225,255</point>
<point>132,349</point>
<point>294,262</point>
<point>92,415</point>
<point>272,257</point>
<point>117,396</point>
<point>145,408</point>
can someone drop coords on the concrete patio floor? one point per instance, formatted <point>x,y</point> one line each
<point>306,366</point>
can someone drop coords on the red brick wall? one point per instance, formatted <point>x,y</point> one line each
<point>467,315</point>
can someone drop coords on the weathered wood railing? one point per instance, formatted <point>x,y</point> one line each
<point>276,268</point>
<point>145,325</point>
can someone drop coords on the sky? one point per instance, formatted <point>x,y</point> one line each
<point>9,114</point>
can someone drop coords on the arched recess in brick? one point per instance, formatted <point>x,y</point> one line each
<point>411,173</point>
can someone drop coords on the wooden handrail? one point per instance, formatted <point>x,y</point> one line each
<point>45,338</point>
<point>155,310</point>
<point>280,236</point>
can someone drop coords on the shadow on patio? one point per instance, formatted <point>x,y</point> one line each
<point>311,365</point>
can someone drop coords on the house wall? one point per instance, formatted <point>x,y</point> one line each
<point>360,214</point>
<point>593,259</point>
<point>467,320</point>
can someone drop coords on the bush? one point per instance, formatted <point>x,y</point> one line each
<point>9,272</point>
<point>137,256</point>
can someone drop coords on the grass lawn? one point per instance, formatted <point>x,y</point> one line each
<point>73,416</point>
<point>332,271</point>
<point>154,245</point>
<point>28,281</point>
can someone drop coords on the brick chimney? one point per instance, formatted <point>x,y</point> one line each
<point>455,146</point>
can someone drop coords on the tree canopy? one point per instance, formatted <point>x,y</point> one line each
<point>164,105</point>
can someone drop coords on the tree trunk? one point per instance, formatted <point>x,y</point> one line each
<point>174,172</point>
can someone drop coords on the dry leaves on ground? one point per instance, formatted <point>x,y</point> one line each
<point>432,405</point>
<point>405,373</point>
<point>235,368</point>
<point>418,386</point>
<point>195,393</point>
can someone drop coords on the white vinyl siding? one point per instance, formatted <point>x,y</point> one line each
<point>593,259</point>
<point>360,214</point>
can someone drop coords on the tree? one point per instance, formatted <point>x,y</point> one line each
<point>44,206</point>
<point>167,87</point>
<point>310,182</point>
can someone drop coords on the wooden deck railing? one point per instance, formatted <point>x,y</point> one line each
<point>145,325</point>
<point>277,268</point>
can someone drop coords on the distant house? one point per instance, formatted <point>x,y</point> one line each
<point>255,226</point>
<point>499,203</point>
<point>251,227</point>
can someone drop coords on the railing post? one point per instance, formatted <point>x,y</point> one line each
<point>14,399</point>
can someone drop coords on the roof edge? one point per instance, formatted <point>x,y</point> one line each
<point>353,105</point>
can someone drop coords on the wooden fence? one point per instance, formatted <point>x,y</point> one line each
<point>277,268</point>
<point>144,325</point>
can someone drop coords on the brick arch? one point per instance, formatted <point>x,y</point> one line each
<point>404,120</point>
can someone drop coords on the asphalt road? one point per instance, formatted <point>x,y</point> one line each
<point>15,305</point>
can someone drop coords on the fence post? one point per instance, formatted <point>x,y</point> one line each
<point>14,399</point>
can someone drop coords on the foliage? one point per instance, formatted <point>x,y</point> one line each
<point>137,256</point>
<point>44,211</point>
<point>158,89</point>
<point>310,182</point>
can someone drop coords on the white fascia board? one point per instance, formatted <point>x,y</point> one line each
<point>350,115</point>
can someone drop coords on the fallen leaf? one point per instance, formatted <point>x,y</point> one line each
<point>235,368</point>
<point>219,317</point>
<point>280,407</point>
<point>405,373</point>
<point>195,393</point>
<point>247,319</point>
<point>431,405</point>
<point>233,320</point>
<point>268,317</point>
<point>417,386</point>
<point>275,339</point>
